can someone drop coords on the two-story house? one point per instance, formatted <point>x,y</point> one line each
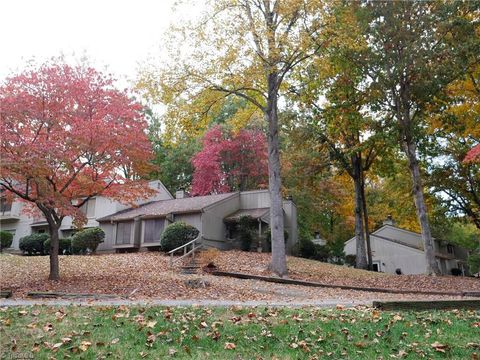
<point>14,219</point>
<point>396,250</point>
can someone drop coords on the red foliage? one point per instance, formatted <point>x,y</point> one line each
<point>230,162</point>
<point>473,155</point>
<point>67,133</point>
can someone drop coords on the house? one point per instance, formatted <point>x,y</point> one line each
<point>398,250</point>
<point>214,216</point>
<point>139,228</point>
<point>317,240</point>
<point>14,219</point>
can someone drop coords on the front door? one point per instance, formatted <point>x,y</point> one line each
<point>376,266</point>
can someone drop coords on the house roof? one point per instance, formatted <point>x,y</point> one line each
<point>162,208</point>
<point>254,213</point>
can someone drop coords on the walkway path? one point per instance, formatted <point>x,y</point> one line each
<point>330,303</point>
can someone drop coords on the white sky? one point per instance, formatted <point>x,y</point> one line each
<point>117,34</point>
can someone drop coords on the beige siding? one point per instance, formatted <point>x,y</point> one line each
<point>108,242</point>
<point>255,199</point>
<point>395,233</point>
<point>194,219</point>
<point>291,223</point>
<point>214,228</point>
<point>392,256</point>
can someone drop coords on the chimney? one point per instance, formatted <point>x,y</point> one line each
<point>389,221</point>
<point>180,194</point>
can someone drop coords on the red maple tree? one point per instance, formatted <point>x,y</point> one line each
<point>67,134</point>
<point>473,155</point>
<point>230,162</point>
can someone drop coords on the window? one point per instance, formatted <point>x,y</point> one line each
<point>450,249</point>
<point>375,267</point>
<point>89,208</point>
<point>5,205</point>
<point>124,233</point>
<point>152,230</point>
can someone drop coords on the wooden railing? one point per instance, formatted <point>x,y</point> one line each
<point>194,246</point>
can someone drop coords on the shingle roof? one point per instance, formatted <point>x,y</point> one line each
<point>165,207</point>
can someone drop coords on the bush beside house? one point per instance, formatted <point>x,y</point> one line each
<point>332,252</point>
<point>33,244</point>
<point>86,241</point>
<point>177,234</point>
<point>6,239</point>
<point>64,246</point>
<point>246,226</point>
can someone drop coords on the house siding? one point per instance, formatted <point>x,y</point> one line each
<point>255,199</point>
<point>214,228</point>
<point>103,207</point>
<point>20,226</point>
<point>109,240</point>
<point>291,223</point>
<point>408,255</point>
<point>194,219</point>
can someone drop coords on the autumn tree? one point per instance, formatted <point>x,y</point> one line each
<point>230,162</point>
<point>245,49</point>
<point>172,161</point>
<point>416,49</point>
<point>455,130</point>
<point>334,98</point>
<point>67,134</point>
<point>473,155</point>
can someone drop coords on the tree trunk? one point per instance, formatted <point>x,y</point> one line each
<point>54,245</point>
<point>428,244</point>
<point>279,263</point>
<point>54,223</point>
<point>365,220</point>
<point>361,261</point>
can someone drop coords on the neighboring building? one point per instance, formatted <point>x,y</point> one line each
<point>394,248</point>
<point>131,229</point>
<point>214,216</point>
<point>317,240</point>
<point>16,221</point>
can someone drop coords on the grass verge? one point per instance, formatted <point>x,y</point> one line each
<point>43,332</point>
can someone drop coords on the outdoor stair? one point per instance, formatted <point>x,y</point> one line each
<point>191,267</point>
<point>188,250</point>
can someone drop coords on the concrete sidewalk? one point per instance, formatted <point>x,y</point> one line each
<point>330,303</point>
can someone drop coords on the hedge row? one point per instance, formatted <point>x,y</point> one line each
<point>82,242</point>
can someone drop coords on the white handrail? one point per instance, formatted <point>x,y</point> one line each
<point>185,252</point>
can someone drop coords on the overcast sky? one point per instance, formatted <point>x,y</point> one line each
<point>113,33</point>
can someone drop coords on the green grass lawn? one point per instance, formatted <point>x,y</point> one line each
<point>43,332</point>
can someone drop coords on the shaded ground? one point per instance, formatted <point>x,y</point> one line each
<point>304,269</point>
<point>147,275</point>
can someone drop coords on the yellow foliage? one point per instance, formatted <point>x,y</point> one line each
<point>229,52</point>
<point>465,107</point>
